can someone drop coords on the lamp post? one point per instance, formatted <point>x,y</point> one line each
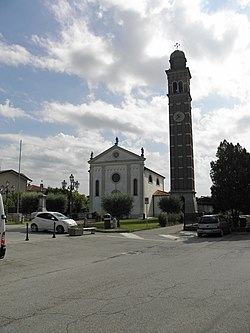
<point>73,186</point>
<point>6,190</point>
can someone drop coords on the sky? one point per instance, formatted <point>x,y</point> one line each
<point>75,74</point>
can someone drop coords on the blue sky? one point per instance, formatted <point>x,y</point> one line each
<point>76,74</point>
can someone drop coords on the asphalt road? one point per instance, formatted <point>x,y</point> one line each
<point>150,281</point>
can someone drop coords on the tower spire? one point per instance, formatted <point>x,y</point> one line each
<point>180,128</point>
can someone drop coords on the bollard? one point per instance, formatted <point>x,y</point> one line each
<point>54,231</point>
<point>27,231</point>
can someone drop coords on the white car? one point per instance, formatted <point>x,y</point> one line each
<point>213,225</point>
<point>50,220</point>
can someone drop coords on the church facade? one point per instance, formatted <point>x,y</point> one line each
<point>117,170</point>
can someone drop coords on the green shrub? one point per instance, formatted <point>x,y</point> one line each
<point>168,219</point>
<point>163,219</point>
<point>171,204</point>
<point>175,218</point>
<point>56,202</point>
<point>29,202</point>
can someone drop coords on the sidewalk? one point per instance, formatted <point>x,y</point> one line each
<point>174,229</point>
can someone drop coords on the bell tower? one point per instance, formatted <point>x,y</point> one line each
<point>182,182</point>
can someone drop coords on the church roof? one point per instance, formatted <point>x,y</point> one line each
<point>177,54</point>
<point>160,193</point>
<point>145,168</point>
<point>117,148</point>
<point>15,173</point>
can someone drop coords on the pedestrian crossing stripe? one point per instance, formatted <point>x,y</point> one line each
<point>134,236</point>
<point>170,237</point>
<point>130,235</point>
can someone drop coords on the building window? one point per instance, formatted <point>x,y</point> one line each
<point>157,182</point>
<point>116,177</point>
<point>180,86</point>
<point>97,188</point>
<point>150,180</point>
<point>175,88</point>
<point>135,186</point>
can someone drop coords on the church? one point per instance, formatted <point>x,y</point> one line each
<point>117,170</point>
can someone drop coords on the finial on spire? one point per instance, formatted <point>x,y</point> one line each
<point>177,45</point>
<point>116,141</point>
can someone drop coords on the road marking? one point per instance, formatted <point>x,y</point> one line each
<point>188,233</point>
<point>130,235</point>
<point>170,237</point>
<point>133,236</point>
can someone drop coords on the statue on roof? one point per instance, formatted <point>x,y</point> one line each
<point>116,141</point>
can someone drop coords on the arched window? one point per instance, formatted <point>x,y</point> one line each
<point>180,85</point>
<point>135,186</point>
<point>175,88</point>
<point>97,189</point>
<point>157,182</point>
<point>150,180</point>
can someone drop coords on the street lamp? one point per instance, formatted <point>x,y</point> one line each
<point>73,186</point>
<point>6,190</point>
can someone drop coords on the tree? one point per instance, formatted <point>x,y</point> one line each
<point>56,202</point>
<point>230,175</point>
<point>171,204</point>
<point>29,202</point>
<point>118,205</point>
<point>80,202</point>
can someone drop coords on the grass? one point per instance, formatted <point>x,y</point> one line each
<point>133,224</point>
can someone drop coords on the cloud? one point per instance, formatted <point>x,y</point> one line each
<point>134,118</point>
<point>243,3</point>
<point>14,55</point>
<point>123,47</point>
<point>51,159</point>
<point>128,46</point>
<point>9,112</point>
<point>209,129</point>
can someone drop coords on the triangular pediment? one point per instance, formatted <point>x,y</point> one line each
<point>116,154</point>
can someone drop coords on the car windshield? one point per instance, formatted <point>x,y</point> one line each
<point>60,216</point>
<point>208,219</point>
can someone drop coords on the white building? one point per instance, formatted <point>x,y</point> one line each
<point>118,170</point>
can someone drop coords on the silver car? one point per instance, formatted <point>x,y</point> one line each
<point>50,220</point>
<point>213,225</point>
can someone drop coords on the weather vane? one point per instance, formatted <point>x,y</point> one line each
<point>177,45</point>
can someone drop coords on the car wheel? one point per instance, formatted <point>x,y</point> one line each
<point>60,229</point>
<point>199,235</point>
<point>34,227</point>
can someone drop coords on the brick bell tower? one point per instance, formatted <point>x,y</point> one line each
<point>180,128</point>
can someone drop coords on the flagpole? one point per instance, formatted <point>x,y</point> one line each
<point>19,170</point>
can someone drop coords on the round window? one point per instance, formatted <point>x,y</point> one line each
<point>116,154</point>
<point>116,177</point>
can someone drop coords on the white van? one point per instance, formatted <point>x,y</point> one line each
<point>2,229</point>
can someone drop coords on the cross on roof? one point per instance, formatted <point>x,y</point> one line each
<point>177,45</point>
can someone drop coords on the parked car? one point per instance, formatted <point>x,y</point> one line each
<point>46,220</point>
<point>2,229</point>
<point>213,224</point>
